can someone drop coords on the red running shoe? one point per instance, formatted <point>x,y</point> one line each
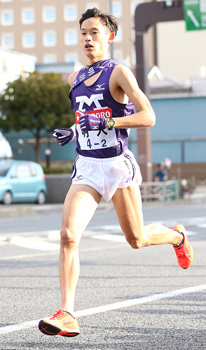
<point>184,252</point>
<point>61,323</point>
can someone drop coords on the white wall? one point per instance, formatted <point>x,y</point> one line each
<point>14,64</point>
<point>181,53</point>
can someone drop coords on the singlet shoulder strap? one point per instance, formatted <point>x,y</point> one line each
<point>87,72</point>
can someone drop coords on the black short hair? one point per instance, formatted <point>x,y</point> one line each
<point>107,19</point>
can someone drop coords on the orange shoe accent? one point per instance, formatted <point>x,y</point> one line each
<point>61,323</point>
<point>184,252</point>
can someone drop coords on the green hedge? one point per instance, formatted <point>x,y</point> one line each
<point>58,170</point>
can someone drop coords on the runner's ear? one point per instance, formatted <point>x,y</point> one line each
<point>111,37</point>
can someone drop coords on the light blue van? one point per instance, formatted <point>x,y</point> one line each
<point>22,181</point>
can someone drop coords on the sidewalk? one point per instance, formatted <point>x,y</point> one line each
<point>19,209</point>
<point>22,209</point>
<point>199,194</point>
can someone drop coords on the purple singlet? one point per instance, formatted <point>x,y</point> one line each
<point>97,99</point>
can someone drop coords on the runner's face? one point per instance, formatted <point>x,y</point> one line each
<point>94,38</point>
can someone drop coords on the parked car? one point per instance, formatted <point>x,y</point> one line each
<point>22,181</point>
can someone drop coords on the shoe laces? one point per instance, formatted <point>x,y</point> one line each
<point>58,315</point>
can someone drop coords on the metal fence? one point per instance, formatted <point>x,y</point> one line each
<point>160,191</point>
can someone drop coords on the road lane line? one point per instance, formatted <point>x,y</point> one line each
<point>111,307</point>
<point>81,250</point>
<point>110,237</point>
<point>38,245</point>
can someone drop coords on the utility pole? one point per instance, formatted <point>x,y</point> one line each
<point>146,15</point>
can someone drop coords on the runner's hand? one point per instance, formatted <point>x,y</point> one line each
<point>63,136</point>
<point>90,122</point>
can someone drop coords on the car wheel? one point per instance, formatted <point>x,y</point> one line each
<point>8,199</point>
<point>41,197</point>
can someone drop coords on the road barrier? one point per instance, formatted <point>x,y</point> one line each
<point>161,191</point>
<point>58,185</point>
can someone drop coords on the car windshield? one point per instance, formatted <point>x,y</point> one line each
<point>4,168</point>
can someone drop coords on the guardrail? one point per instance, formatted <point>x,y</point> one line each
<point>58,185</point>
<point>161,191</point>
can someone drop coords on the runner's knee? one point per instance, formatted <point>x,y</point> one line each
<point>68,238</point>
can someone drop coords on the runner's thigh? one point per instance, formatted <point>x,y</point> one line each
<point>79,206</point>
<point>128,206</point>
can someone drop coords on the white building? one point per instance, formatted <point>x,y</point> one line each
<point>5,149</point>
<point>13,65</point>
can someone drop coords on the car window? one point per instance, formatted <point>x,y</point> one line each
<point>23,170</point>
<point>4,169</point>
<point>33,170</point>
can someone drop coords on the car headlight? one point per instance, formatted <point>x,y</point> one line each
<point>2,182</point>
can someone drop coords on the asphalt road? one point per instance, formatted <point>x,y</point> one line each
<point>126,299</point>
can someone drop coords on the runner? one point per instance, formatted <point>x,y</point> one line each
<point>104,96</point>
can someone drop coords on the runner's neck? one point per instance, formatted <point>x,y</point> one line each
<point>96,63</point>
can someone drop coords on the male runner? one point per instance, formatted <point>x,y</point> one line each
<point>103,96</point>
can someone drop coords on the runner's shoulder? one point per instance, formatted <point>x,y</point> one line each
<point>120,69</point>
<point>121,74</point>
<point>72,77</point>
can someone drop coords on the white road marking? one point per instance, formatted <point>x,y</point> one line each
<point>81,250</point>
<point>111,307</point>
<point>107,229</point>
<point>116,229</point>
<point>3,238</point>
<point>202,225</point>
<point>38,245</point>
<point>191,233</point>
<point>111,237</point>
<point>51,246</point>
<point>121,238</point>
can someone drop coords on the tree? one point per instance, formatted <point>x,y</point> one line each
<point>38,103</point>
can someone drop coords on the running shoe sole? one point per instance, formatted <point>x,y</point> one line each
<point>48,329</point>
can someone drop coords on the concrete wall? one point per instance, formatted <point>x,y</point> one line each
<point>57,187</point>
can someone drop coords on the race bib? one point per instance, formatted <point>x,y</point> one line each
<point>96,139</point>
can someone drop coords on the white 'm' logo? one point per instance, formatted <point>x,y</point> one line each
<point>89,100</point>
<point>100,87</point>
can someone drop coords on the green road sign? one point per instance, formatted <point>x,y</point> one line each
<point>195,14</point>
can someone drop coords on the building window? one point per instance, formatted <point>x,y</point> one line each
<point>117,9</point>
<point>48,15</point>
<point>71,57</point>
<point>7,17</point>
<point>28,40</point>
<point>119,36</point>
<point>27,16</point>
<point>49,38</point>
<point>70,13</point>
<point>70,37</point>
<point>50,58</point>
<point>7,40</point>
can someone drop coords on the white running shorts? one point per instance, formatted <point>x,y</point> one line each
<point>105,175</point>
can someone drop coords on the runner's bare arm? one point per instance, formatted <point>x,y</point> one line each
<point>124,83</point>
<point>71,79</point>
